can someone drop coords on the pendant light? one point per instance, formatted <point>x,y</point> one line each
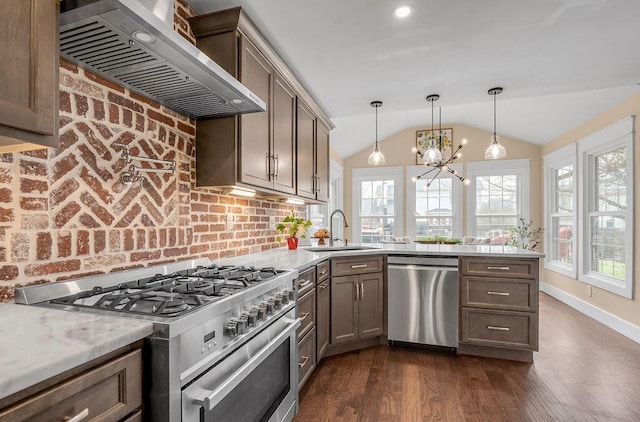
<point>377,157</point>
<point>495,150</point>
<point>432,155</point>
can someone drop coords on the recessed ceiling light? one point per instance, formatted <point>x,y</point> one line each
<point>402,11</point>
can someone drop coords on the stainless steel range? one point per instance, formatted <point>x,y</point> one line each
<point>224,346</point>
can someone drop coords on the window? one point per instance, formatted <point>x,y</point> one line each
<point>498,197</point>
<point>606,218</point>
<point>434,210</point>
<point>560,210</point>
<point>377,203</point>
<point>319,214</point>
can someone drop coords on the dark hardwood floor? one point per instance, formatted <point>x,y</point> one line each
<point>584,371</point>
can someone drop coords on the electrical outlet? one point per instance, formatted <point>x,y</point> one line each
<point>589,291</point>
<point>229,221</point>
<point>272,222</point>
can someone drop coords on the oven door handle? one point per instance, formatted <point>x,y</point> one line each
<point>209,399</point>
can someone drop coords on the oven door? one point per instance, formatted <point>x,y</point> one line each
<point>257,382</point>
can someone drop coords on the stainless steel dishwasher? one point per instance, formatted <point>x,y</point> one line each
<point>423,301</point>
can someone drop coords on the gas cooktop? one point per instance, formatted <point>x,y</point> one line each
<point>173,294</point>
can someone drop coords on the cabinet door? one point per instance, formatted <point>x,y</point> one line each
<point>29,69</point>
<point>322,163</point>
<point>370,305</point>
<point>255,132</point>
<point>323,308</point>
<point>306,130</point>
<point>344,311</point>
<point>284,136</point>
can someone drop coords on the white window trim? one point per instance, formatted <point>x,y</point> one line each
<point>497,168</point>
<point>457,198</point>
<point>377,173</point>
<point>608,139</point>
<point>560,158</point>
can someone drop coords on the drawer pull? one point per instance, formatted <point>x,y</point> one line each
<point>498,268</point>
<point>324,285</point>
<point>304,315</point>
<point>499,293</point>
<point>305,359</point>
<point>493,327</point>
<point>77,418</point>
<point>323,272</point>
<point>359,266</point>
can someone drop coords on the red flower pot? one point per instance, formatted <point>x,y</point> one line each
<point>292,242</point>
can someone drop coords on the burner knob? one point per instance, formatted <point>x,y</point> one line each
<point>270,306</point>
<point>277,302</point>
<point>262,311</point>
<point>232,327</point>
<point>285,297</point>
<point>243,324</point>
<point>252,317</point>
<point>292,295</point>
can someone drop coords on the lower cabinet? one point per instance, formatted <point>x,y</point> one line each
<point>306,357</point>
<point>356,307</point>
<point>111,391</point>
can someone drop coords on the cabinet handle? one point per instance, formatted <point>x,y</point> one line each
<point>77,418</point>
<point>492,327</point>
<point>357,291</point>
<point>499,293</point>
<point>498,268</point>
<point>276,165</point>
<point>361,291</point>
<point>303,284</point>
<point>324,285</point>
<point>305,359</point>
<point>304,315</point>
<point>323,272</point>
<point>268,162</point>
<point>359,266</point>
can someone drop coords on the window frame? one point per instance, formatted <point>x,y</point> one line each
<point>552,162</point>
<point>457,188</point>
<point>521,167</point>
<point>606,140</point>
<point>377,173</point>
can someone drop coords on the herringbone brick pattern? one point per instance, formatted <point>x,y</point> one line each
<point>64,213</point>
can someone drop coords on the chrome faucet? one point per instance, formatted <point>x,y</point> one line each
<point>344,221</point>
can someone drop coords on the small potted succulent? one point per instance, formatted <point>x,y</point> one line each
<point>293,227</point>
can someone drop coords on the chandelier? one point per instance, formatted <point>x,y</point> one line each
<point>432,157</point>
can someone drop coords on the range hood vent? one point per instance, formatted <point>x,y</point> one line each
<point>123,41</point>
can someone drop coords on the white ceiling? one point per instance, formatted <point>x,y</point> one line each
<point>560,61</point>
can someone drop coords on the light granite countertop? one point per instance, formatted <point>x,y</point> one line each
<point>38,343</point>
<point>302,258</point>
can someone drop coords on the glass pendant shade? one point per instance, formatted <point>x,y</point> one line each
<point>432,155</point>
<point>376,158</point>
<point>496,150</point>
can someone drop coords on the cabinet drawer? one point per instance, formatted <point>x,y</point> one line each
<point>306,357</point>
<point>514,268</point>
<point>306,280</point>
<point>322,271</point>
<point>110,392</point>
<point>506,329</point>
<point>507,294</point>
<point>307,312</point>
<point>356,265</point>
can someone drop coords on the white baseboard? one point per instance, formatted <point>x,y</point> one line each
<point>615,323</point>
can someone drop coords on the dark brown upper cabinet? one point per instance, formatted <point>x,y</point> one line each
<point>263,151</point>
<point>29,69</point>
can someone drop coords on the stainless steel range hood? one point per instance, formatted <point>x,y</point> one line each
<point>123,41</point>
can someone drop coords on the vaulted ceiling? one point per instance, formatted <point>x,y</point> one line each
<point>560,62</point>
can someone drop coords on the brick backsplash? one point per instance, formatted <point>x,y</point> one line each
<point>64,213</point>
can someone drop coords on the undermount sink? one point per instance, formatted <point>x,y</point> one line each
<point>339,248</point>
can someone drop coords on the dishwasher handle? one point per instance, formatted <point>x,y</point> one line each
<point>423,261</point>
<point>421,268</point>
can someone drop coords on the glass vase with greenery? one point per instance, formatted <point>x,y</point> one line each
<point>524,236</point>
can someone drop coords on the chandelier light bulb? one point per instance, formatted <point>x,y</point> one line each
<point>414,150</point>
<point>458,155</point>
<point>414,179</point>
<point>466,182</point>
<point>464,141</point>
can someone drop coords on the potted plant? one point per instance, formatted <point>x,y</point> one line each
<point>524,236</point>
<point>293,227</point>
